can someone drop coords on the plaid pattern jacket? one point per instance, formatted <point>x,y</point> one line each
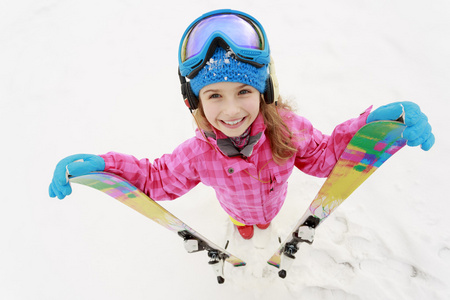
<point>249,185</point>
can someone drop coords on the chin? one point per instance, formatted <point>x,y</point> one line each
<point>234,133</point>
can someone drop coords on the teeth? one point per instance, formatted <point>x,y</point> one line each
<point>234,122</point>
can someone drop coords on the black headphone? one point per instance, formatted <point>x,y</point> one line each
<point>270,94</point>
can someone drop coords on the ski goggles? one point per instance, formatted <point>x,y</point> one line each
<point>229,29</point>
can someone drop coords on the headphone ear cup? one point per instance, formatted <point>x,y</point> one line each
<point>269,92</point>
<point>191,98</point>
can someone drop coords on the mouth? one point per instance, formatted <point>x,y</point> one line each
<point>233,123</point>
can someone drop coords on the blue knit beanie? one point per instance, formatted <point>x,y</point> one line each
<point>223,67</point>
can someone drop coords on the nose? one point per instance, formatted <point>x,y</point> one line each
<point>231,107</point>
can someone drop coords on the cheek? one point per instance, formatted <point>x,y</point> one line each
<point>252,106</point>
<point>210,113</point>
<point>209,117</point>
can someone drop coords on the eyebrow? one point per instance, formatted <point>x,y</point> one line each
<point>218,90</point>
<point>209,91</point>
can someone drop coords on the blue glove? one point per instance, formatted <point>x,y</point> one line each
<point>418,130</point>
<point>75,165</point>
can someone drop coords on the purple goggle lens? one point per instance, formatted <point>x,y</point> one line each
<point>235,28</point>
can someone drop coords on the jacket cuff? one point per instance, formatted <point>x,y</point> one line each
<point>364,115</point>
<point>109,161</point>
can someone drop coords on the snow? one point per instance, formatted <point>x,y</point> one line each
<point>95,76</point>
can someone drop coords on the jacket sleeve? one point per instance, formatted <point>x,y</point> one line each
<point>167,178</point>
<point>318,153</point>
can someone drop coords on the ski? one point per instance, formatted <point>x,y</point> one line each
<point>120,189</point>
<point>370,147</point>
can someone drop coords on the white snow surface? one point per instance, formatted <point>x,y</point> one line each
<point>97,76</point>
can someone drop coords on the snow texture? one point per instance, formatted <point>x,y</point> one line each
<point>94,76</point>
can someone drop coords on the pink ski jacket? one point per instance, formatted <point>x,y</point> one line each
<point>249,185</point>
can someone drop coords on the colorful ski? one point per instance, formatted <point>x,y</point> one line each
<point>125,192</point>
<point>371,146</point>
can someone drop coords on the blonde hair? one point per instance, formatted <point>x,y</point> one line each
<point>277,132</point>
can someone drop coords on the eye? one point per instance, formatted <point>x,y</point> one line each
<point>213,96</point>
<point>243,92</point>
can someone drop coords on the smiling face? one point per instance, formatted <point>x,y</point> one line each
<point>230,107</point>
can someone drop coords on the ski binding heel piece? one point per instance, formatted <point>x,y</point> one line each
<point>217,263</point>
<point>304,234</point>
<point>217,258</point>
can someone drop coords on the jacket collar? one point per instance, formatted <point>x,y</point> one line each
<point>222,142</point>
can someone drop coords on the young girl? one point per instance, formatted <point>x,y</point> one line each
<point>248,141</point>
